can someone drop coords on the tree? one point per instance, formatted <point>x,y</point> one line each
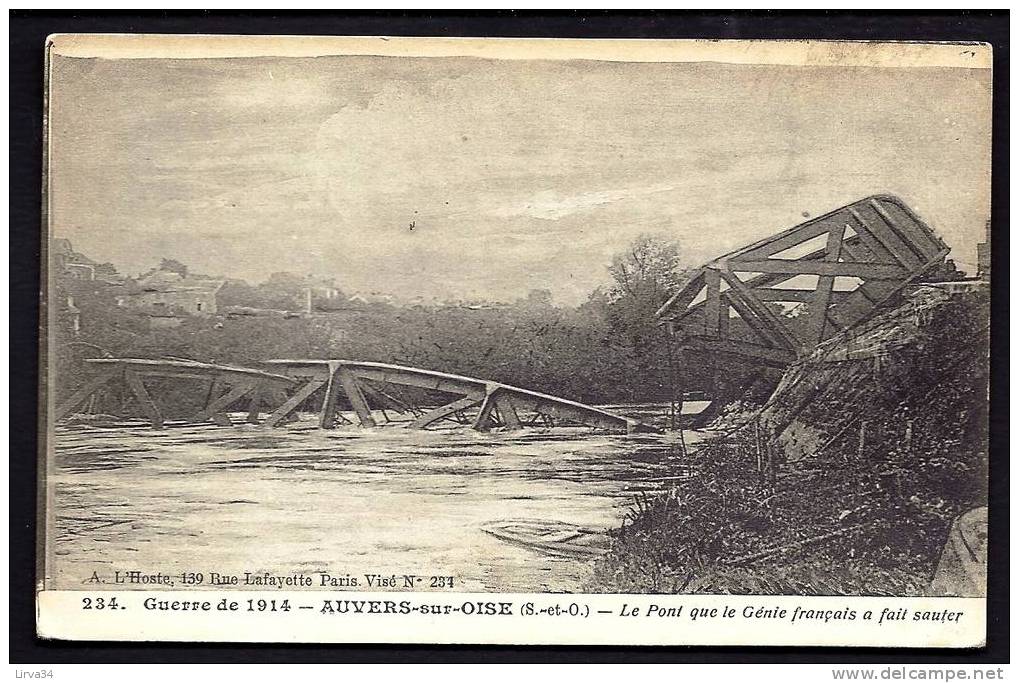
<point>649,269</point>
<point>283,291</point>
<point>238,293</point>
<point>643,278</point>
<point>173,266</point>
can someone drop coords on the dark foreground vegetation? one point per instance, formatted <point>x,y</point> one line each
<point>858,515</point>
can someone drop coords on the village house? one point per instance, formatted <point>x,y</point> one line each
<point>318,291</point>
<point>69,263</point>
<point>166,296</point>
<point>72,265</point>
<point>78,277</point>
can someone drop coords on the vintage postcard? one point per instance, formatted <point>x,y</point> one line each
<point>519,341</point>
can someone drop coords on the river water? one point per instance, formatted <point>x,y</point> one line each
<point>345,502</point>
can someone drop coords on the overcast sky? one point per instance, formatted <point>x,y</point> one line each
<point>516,174</point>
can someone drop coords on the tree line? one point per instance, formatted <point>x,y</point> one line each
<point>608,349</point>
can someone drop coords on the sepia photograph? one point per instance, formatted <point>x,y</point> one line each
<point>505,317</point>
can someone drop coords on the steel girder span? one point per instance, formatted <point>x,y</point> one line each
<point>226,385</point>
<point>491,404</point>
<point>838,267</point>
<point>285,385</point>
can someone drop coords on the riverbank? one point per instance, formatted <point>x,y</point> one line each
<point>874,457</point>
<point>813,532</point>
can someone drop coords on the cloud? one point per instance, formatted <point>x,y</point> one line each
<point>513,173</point>
<point>548,205</point>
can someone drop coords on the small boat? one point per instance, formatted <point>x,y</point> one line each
<point>549,537</point>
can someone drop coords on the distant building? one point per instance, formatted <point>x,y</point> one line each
<point>77,278</point>
<point>984,254</point>
<point>69,263</point>
<point>162,321</point>
<point>359,298</point>
<point>255,312</point>
<point>321,288</point>
<point>72,314</point>
<point>319,293</point>
<point>169,294</point>
<point>73,265</point>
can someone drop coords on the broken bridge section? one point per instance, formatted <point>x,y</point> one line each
<point>225,385</point>
<point>839,267</point>
<point>476,402</point>
<point>285,387</point>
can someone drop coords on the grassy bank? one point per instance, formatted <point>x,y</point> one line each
<point>844,520</point>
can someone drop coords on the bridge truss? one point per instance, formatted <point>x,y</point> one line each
<point>835,269</point>
<point>476,402</point>
<point>286,386</point>
<point>227,385</point>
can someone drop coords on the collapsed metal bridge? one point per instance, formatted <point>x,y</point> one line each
<point>227,385</point>
<point>496,405</point>
<point>285,386</point>
<point>841,266</point>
